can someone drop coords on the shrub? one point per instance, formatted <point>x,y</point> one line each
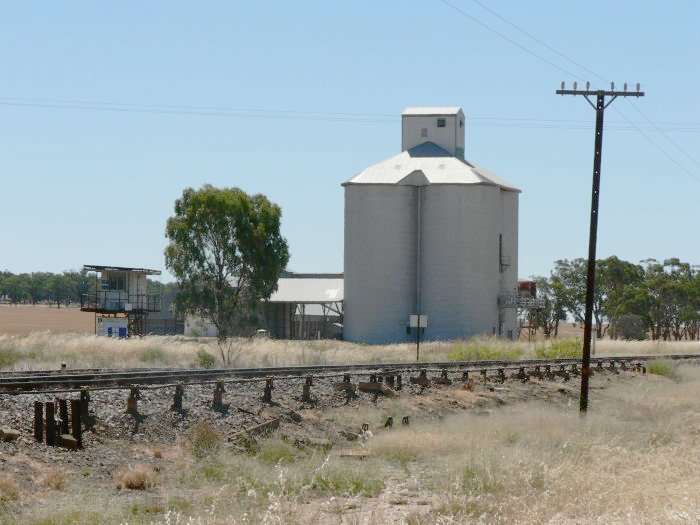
<point>631,326</point>
<point>567,348</point>
<point>140,477</point>
<point>204,440</point>
<point>205,359</point>
<point>484,349</point>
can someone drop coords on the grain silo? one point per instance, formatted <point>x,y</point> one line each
<point>428,232</point>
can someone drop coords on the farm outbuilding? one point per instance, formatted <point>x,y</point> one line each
<point>120,300</point>
<point>305,306</point>
<point>430,233</point>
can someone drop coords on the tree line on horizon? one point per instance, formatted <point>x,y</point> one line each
<point>653,299</point>
<point>55,289</point>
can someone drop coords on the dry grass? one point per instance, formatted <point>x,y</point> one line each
<point>140,477</point>
<point>47,350</point>
<point>633,459</point>
<point>9,489</point>
<point>53,478</point>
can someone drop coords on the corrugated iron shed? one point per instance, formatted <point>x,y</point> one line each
<point>308,290</point>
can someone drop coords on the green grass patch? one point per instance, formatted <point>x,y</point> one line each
<point>484,349</point>
<point>152,354</point>
<point>663,367</point>
<point>342,480</point>
<point>566,348</point>
<point>11,355</point>
<point>274,452</point>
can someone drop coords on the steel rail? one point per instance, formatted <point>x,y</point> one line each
<point>41,380</point>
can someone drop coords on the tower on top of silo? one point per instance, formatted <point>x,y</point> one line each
<point>443,126</point>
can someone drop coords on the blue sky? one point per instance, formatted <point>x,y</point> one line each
<point>102,126</point>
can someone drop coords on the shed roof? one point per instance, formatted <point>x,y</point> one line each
<point>429,111</point>
<point>308,290</point>
<point>427,164</point>
<point>99,268</point>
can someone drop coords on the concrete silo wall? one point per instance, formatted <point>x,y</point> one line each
<point>464,229</point>
<point>379,262</point>
<point>460,262</point>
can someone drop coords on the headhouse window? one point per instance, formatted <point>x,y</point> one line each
<point>424,132</point>
<point>441,123</point>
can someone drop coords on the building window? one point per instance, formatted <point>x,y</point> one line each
<point>441,123</point>
<point>461,123</point>
<point>116,281</point>
<point>424,132</point>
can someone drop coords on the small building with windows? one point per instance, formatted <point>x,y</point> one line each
<point>121,300</point>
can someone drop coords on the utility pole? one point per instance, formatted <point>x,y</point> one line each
<point>599,107</point>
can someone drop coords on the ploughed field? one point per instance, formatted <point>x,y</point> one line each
<point>24,319</point>
<point>475,452</point>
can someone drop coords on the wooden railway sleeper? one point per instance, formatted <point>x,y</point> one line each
<point>521,375</point>
<point>218,402</point>
<point>177,397</point>
<point>306,393</point>
<point>132,400</point>
<point>563,373</point>
<point>548,373</point>
<point>267,394</point>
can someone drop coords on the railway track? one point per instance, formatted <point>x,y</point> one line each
<point>71,380</point>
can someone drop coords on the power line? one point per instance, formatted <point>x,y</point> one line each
<point>211,111</point>
<point>684,152</point>
<point>482,24</point>
<point>669,157</point>
<point>504,37</point>
<point>544,44</point>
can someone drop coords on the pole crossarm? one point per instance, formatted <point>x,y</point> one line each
<point>596,92</point>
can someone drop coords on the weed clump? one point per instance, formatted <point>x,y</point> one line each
<point>140,477</point>
<point>54,479</point>
<point>205,359</point>
<point>204,441</point>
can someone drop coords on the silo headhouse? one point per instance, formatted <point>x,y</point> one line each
<point>430,234</point>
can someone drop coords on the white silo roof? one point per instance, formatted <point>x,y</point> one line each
<point>426,164</point>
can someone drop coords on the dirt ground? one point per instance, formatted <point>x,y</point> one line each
<point>24,319</point>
